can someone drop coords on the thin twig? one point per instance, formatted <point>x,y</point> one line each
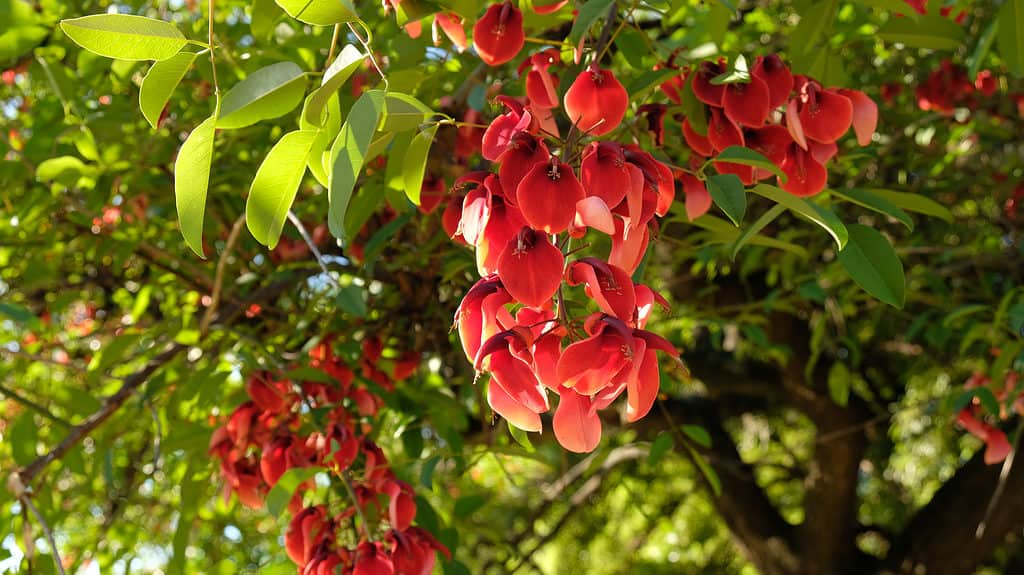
<point>213,61</point>
<point>1004,474</point>
<point>27,502</point>
<point>366,46</point>
<point>312,247</point>
<point>218,280</point>
<point>347,482</point>
<point>334,43</point>
<point>38,408</point>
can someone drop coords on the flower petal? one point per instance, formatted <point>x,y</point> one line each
<point>577,427</point>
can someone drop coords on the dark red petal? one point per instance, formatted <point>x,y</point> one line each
<point>699,144</point>
<point>503,128</point>
<point>547,196</point>
<point>826,116</point>
<point>747,104</point>
<point>531,268</point>
<point>698,200</point>
<point>703,88</point>
<point>806,176</point>
<point>608,285</point>
<point>503,225</point>
<point>596,102</point>
<point>522,154</point>
<point>498,35</point>
<point>722,131</point>
<point>774,73</point>
<point>540,89</point>
<point>577,426</point>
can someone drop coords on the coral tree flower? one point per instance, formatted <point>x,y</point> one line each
<point>596,102</point>
<point>531,268</point>
<point>498,35</point>
<point>547,196</point>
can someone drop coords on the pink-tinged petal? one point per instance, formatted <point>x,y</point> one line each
<point>522,154</point>
<point>476,210</point>
<point>477,315</point>
<point>516,378</point>
<point>531,268</point>
<point>550,8</point>
<point>657,177</point>
<point>805,176</point>
<point>747,104</point>
<point>634,198</point>
<point>723,132</point>
<point>596,102</point>
<point>822,153</point>
<point>547,351</point>
<point>645,300</point>
<point>865,115</point>
<point>498,34</point>
<point>588,365</point>
<point>593,212</point>
<point>699,144</point>
<point>516,413</point>
<point>793,125</point>
<point>609,286</point>
<point>997,448</point>
<point>698,200</point>
<point>970,423</point>
<point>628,252</point>
<point>774,73</point>
<point>414,29</point>
<point>604,173</point>
<point>547,196</point>
<point>705,91</point>
<point>502,226</point>
<point>544,121</point>
<point>577,427</point>
<point>826,115</point>
<point>540,89</point>
<point>642,390</point>
<point>451,24</point>
<point>503,128</point>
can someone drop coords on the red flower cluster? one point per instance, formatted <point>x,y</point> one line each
<point>949,88</point>
<point>262,440</point>
<point>997,447</point>
<point>792,120</point>
<point>521,220</point>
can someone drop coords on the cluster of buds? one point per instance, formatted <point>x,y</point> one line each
<point>547,192</point>
<point>973,417</point>
<point>263,438</point>
<point>790,119</point>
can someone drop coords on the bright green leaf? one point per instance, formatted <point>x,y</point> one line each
<point>738,73</point>
<point>415,163</point>
<point>125,37</point>
<point>729,194</point>
<point>347,156</point>
<point>872,262</point>
<point>915,203</point>
<point>191,180</point>
<point>817,214</point>
<point>275,185</point>
<point>279,496</point>
<point>269,92</point>
<point>1011,36</point>
<point>403,112</point>
<point>748,157</point>
<point>877,203</point>
<point>931,31</point>
<point>158,85</point>
<point>589,12</point>
<point>337,74</point>
<point>319,12</point>
<point>63,169</point>
<point>755,228</point>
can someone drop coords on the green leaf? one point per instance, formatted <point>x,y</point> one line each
<point>931,31</point>
<point>748,157</point>
<point>63,169</point>
<point>319,12</point>
<point>347,154</point>
<point>659,447</point>
<point>269,92</point>
<point>263,16</point>
<point>709,474</point>
<point>337,74</point>
<point>415,163</point>
<point>755,228</point>
<point>352,301</point>
<point>693,109</point>
<point>839,383</point>
<point>815,23</point>
<point>915,203</point>
<point>698,434</point>
<point>729,194</point>
<point>1011,36</point>
<point>468,504</point>
<point>191,180</point>
<point>981,49</point>
<point>738,73</point>
<point>125,37</point>
<point>876,203</point>
<point>872,262</point>
<point>281,494</point>
<point>589,12</point>
<point>275,185</point>
<point>158,85</point>
<point>520,436</point>
<point>403,112</point>
<point>817,214</point>
<point>637,88</point>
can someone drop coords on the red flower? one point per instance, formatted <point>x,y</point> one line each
<point>774,73</point>
<point>501,131</point>
<point>747,104</point>
<point>577,426</point>
<point>531,268</point>
<point>596,102</point>
<point>805,176</point>
<point>480,314</point>
<point>498,34</point>
<point>603,172</point>
<point>451,24</point>
<point>699,144</point>
<point>698,200</point>
<point>373,559</point>
<point>608,285</point>
<point>548,195</point>
<point>865,115</point>
<point>824,114</point>
<point>521,155</point>
<point>705,91</point>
